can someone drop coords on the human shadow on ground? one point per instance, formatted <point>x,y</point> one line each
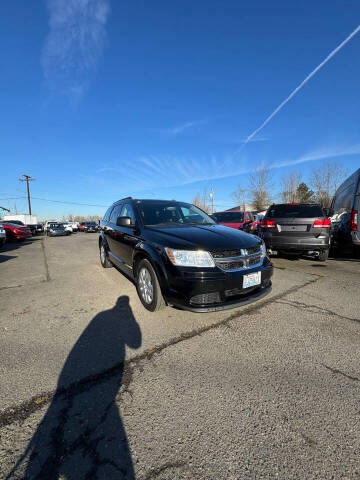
<point>82,435</point>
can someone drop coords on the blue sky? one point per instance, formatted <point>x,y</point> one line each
<point>102,99</point>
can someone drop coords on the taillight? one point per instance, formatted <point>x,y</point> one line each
<point>325,223</point>
<point>265,223</point>
<point>354,221</point>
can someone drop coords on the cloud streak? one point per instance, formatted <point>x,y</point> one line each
<point>301,85</point>
<point>179,129</point>
<point>74,45</point>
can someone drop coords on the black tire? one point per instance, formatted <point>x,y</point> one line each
<point>104,257</point>
<point>157,302</point>
<point>323,256</point>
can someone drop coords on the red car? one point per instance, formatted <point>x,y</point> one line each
<point>238,220</point>
<point>16,232</point>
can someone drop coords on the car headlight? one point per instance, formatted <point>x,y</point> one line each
<point>190,258</point>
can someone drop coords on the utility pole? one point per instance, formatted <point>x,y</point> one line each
<point>27,179</point>
<point>212,199</point>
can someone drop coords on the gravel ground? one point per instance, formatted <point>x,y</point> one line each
<point>94,386</point>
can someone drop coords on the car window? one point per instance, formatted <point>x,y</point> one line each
<point>107,214</point>
<point>115,214</point>
<point>128,211</point>
<point>297,211</point>
<point>343,200</point>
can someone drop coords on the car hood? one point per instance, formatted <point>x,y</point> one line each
<point>204,237</point>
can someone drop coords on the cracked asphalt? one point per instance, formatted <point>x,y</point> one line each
<point>95,387</point>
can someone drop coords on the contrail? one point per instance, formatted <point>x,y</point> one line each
<point>299,87</point>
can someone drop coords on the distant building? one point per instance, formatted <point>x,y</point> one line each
<point>240,208</point>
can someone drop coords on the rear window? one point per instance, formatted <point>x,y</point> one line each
<point>230,217</point>
<point>298,211</point>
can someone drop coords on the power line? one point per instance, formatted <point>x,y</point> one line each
<point>69,203</point>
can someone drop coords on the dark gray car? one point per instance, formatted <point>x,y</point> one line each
<point>296,228</point>
<point>56,230</point>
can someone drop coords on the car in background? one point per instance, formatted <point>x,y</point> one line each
<point>39,228</point>
<point>67,227</point>
<point>345,211</point>
<point>238,220</point>
<point>256,225</point>
<point>2,235</point>
<point>90,227</point>
<point>48,223</point>
<point>296,228</point>
<point>56,230</point>
<point>15,231</point>
<point>178,255</point>
<point>74,226</point>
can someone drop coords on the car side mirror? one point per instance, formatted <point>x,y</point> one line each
<point>123,222</point>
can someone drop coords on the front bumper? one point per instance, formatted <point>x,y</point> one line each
<point>220,290</point>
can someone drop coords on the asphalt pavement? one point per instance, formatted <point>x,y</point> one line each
<point>94,386</point>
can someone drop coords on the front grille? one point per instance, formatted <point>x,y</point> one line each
<point>254,260</point>
<point>227,253</point>
<point>252,250</point>
<point>205,298</point>
<point>232,265</point>
<point>238,259</point>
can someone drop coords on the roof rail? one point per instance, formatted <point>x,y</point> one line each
<point>126,198</point>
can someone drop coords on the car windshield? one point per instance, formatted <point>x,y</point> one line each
<point>229,217</point>
<point>294,210</point>
<point>155,212</point>
<point>90,224</point>
<point>56,225</point>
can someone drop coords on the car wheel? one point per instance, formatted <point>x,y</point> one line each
<point>104,258</point>
<point>148,288</point>
<point>323,256</point>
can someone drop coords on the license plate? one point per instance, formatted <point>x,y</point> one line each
<point>252,279</point>
<point>293,228</point>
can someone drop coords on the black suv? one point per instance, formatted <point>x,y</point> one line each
<point>179,256</point>
<point>296,228</point>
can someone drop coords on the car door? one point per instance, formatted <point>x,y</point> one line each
<point>113,235</point>
<point>128,237</point>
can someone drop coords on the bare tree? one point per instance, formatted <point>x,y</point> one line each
<point>260,187</point>
<point>201,201</point>
<point>325,181</point>
<point>289,186</point>
<point>239,196</point>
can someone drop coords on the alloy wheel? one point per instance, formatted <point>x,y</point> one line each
<point>146,286</point>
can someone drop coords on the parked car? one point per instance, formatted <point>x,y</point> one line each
<point>179,256</point>
<point>74,226</point>
<point>2,235</point>
<point>39,228</point>
<point>90,227</point>
<point>23,219</point>
<point>344,211</point>
<point>67,227</point>
<point>15,231</point>
<point>256,225</point>
<point>238,220</point>
<point>48,223</point>
<point>296,228</point>
<point>56,230</point>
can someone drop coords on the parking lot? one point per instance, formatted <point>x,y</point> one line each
<point>270,390</point>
